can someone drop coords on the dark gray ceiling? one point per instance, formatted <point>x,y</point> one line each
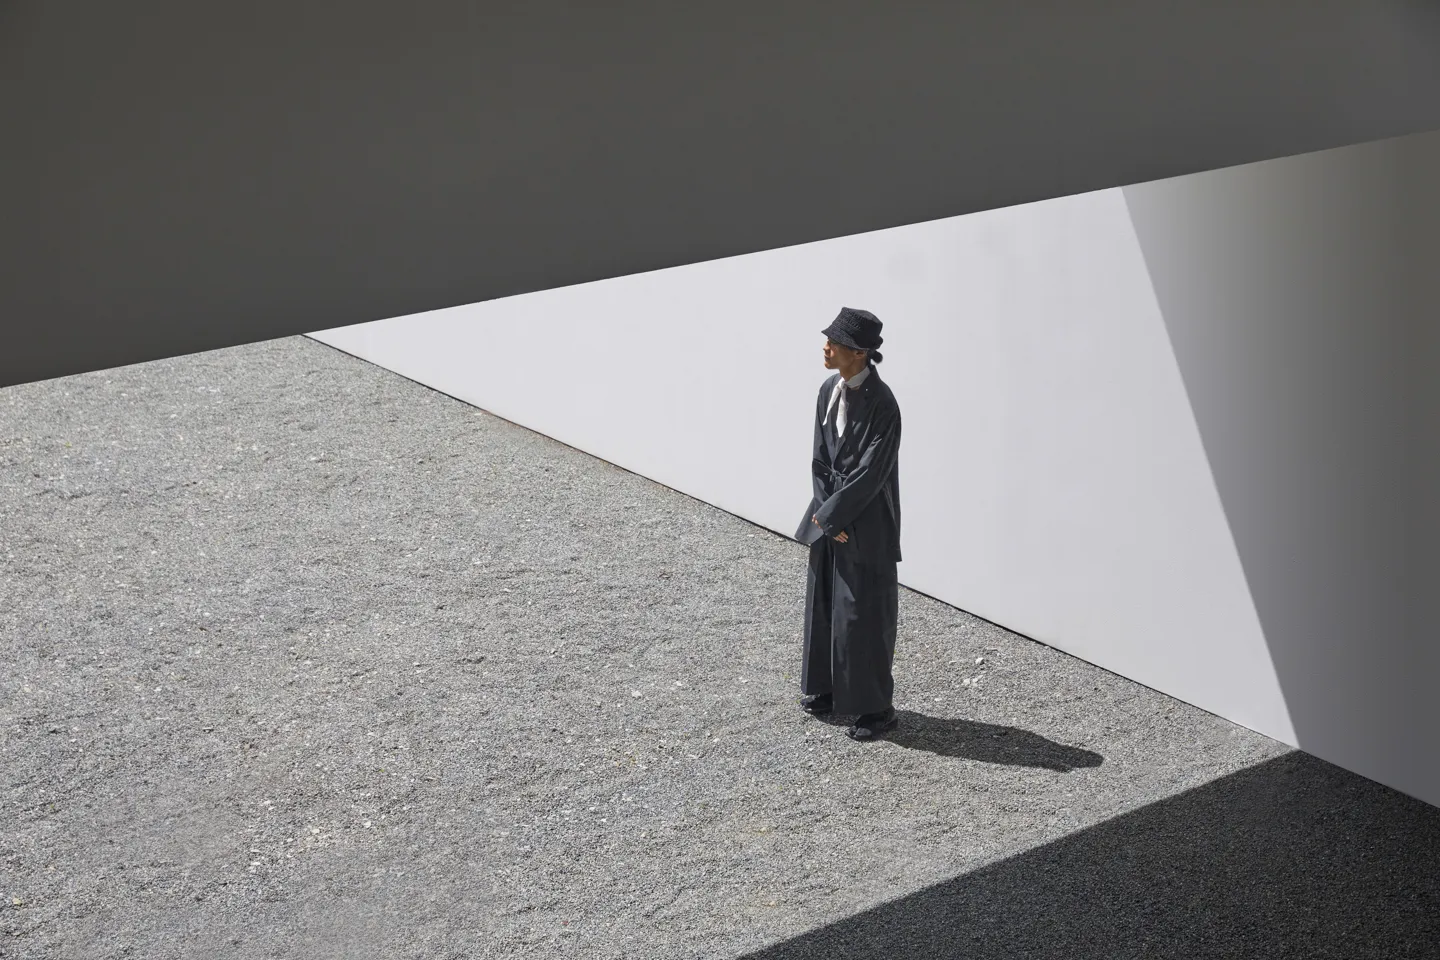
<point>181,175</point>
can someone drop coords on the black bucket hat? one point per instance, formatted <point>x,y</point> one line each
<point>856,329</point>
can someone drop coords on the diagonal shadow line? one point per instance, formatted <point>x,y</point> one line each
<point>1292,857</point>
<point>1301,353</point>
<point>985,742</point>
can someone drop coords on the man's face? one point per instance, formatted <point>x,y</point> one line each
<point>837,354</point>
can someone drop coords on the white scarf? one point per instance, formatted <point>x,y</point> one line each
<point>839,403</point>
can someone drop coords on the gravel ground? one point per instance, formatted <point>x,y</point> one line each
<point>303,660</point>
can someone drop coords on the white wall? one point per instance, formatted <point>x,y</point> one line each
<point>1302,299</point>
<point>1053,476</point>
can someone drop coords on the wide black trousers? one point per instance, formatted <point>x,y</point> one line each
<point>851,607</point>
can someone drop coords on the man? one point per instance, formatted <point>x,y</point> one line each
<point>853,528</point>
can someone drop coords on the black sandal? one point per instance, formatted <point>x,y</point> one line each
<point>872,725</point>
<point>818,704</point>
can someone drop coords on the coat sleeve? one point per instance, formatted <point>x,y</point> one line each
<point>865,481</point>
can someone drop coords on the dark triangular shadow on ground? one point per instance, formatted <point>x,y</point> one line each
<point>1290,858</point>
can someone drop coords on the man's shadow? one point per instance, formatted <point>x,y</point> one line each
<point>985,742</point>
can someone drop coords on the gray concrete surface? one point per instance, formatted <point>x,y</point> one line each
<point>302,659</point>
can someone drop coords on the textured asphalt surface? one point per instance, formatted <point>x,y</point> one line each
<point>302,659</point>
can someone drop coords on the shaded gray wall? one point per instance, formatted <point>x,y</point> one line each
<point>182,176</point>
<point>1302,301</point>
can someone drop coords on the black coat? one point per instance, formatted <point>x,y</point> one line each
<point>856,480</point>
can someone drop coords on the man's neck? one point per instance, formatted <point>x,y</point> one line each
<point>849,373</point>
